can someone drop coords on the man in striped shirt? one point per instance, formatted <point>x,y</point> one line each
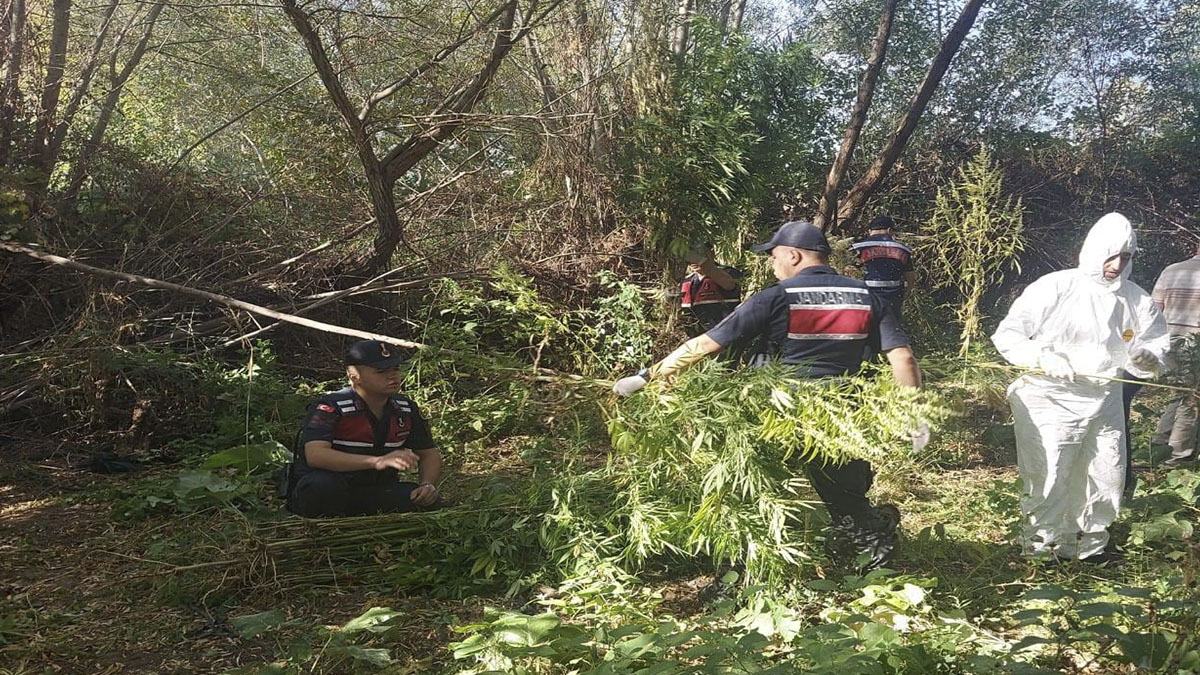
<point>1177,293</point>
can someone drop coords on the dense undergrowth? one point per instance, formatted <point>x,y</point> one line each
<point>586,525</point>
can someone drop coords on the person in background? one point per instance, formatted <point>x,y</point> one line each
<point>887,264</point>
<point>710,291</point>
<point>1177,294</point>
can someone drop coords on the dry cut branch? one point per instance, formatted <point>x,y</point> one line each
<point>205,295</point>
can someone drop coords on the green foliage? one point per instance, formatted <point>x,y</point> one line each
<point>711,465</point>
<point>1146,628</point>
<point>618,328</point>
<point>14,208</point>
<point>767,634</point>
<point>230,478</point>
<point>342,649</point>
<point>705,165</point>
<point>974,236</point>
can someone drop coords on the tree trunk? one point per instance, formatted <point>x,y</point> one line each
<point>382,174</point>
<point>866,186</point>
<point>81,87</point>
<point>541,72</point>
<point>737,13</point>
<point>858,116</point>
<point>116,82</point>
<point>383,207</point>
<point>682,28</point>
<point>14,60</point>
<point>39,151</point>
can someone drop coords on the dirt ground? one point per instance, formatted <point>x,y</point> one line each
<point>83,593</point>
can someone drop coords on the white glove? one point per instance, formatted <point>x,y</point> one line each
<point>627,386</point>
<point>696,255</point>
<point>920,436</point>
<point>1056,365</point>
<point>1143,359</point>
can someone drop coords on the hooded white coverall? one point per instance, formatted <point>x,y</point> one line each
<point>1070,450</point>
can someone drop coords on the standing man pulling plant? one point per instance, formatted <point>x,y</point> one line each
<point>820,323</point>
<point>356,441</point>
<point>887,264</point>
<point>1072,325</point>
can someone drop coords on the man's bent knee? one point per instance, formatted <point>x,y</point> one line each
<point>321,493</point>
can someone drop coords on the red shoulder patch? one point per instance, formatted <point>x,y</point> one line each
<point>325,407</point>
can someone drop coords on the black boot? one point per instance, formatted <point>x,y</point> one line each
<point>870,536</point>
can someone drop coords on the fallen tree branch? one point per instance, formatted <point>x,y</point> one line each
<point>536,373</point>
<point>325,299</point>
<point>205,295</point>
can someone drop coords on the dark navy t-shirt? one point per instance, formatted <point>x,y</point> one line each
<point>819,321</point>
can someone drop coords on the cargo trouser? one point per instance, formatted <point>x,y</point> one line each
<point>319,493</point>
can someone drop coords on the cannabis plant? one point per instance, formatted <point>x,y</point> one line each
<point>713,465</point>
<point>974,236</point>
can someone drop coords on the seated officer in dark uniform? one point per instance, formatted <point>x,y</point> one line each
<point>887,264</point>
<point>710,291</point>
<point>356,441</point>
<point>821,323</point>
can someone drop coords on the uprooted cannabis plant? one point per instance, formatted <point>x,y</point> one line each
<point>706,471</point>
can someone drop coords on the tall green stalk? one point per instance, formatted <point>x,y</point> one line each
<point>975,235</point>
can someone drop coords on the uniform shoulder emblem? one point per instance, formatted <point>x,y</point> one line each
<point>325,407</point>
<point>345,402</point>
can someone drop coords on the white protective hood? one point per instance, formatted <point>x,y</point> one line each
<point>1111,235</point>
<point>1091,321</point>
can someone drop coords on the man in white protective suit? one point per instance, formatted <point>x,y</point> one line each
<point>1072,325</point>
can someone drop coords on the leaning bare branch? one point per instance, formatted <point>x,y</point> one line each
<point>212,297</point>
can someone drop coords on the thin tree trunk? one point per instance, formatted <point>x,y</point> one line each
<point>585,33</point>
<point>542,72</point>
<point>866,186</point>
<point>116,81</point>
<point>682,28</point>
<point>383,207</point>
<point>88,71</point>
<point>14,61</point>
<point>858,116</point>
<point>39,151</point>
<point>737,14</point>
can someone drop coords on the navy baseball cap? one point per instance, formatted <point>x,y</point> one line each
<point>374,353</point>
<point>797,234</point>
<point>882,222</point>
